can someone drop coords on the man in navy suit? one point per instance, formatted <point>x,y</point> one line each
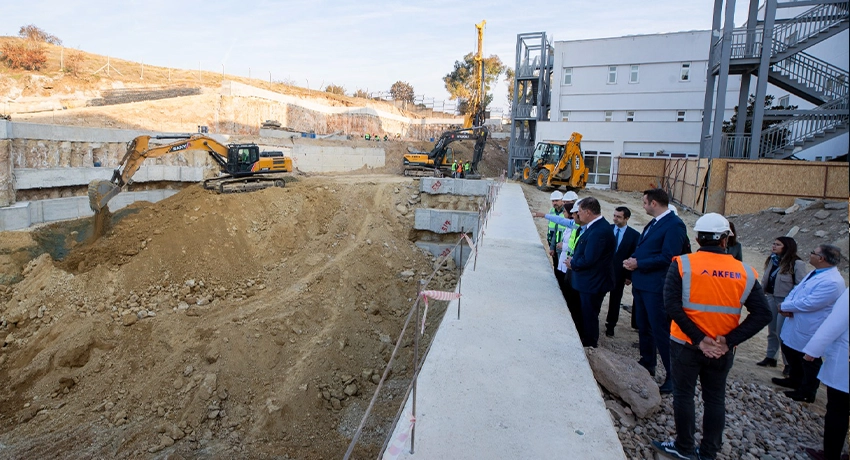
<point>662,239</point>
<point>627,239</point>
<point>591,266</point>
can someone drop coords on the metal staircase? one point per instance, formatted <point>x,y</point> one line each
<point>787,66</point>
<point>532,94</point>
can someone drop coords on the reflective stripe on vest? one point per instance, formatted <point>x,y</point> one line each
<point>571,244</point>
<point>712,298</point>
<point>555,231</point>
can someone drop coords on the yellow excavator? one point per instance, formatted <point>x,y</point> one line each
<point>555,164</point>
<point>243,167</point>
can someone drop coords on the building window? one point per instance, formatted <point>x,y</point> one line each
<point>612,74</point>
<point>598,167</point>
<point>680,115</point>
<point>686,72</point>
<point>634,74</point>
<point>568,75</point>
<point>630,116</point>
<point>818,158</point>
<point>609,115</point>
<point>785,101</point>
<point>565,115</point>
<point>647,154</point>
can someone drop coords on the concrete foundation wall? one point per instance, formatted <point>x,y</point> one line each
<point>26,179</point>
<point>25,214</point>
<point>315,158</point>
<point>466,187</point>
<point>445,221</point>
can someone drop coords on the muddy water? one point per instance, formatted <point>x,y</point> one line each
<point>59,238</point>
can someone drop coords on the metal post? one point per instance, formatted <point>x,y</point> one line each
<point>415,364</point>
<point>459,273</point>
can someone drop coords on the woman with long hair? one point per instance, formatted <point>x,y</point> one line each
<point>783,270</point>
<point>733,247</point>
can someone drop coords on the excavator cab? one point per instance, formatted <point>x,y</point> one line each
<point>241,158</point>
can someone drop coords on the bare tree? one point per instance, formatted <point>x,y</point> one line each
<point>35,33</point>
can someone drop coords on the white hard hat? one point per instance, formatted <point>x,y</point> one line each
<point>712,223</point>
<point>673,209</point>
<point>556,195</point>
<point>570,196</point>
<point>575,206</point>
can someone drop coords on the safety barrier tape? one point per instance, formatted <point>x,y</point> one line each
<point>436,295</point>
<point>397,445</point>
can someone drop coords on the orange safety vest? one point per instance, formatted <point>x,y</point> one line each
<point>714,287</point>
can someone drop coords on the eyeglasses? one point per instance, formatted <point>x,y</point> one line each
<point>817,254</point>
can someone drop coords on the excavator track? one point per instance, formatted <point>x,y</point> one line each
<point>422,172</point>
<point>230,184</point>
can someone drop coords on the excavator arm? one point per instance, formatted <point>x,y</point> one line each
<point>138,150</point>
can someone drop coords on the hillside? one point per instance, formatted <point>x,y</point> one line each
<point>23,92</point>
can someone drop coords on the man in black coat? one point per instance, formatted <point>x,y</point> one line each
<point>591,266</point>
<point>627,239</point>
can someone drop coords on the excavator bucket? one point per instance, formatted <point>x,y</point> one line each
<point>100,192</point>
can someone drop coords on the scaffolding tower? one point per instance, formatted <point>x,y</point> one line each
<point>532,95</point>
<point>773,51</point>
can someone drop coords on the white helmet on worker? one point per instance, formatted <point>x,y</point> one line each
<point>713,223</point>
<point>570,196</point>
<point>575,206</point>
<point>556,195</point>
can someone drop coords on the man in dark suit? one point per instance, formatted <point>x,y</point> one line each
<point>662,239</point>
<point>591,266</point>
<point>627,239</point>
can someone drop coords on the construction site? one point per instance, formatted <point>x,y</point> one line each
<point>147,312</point>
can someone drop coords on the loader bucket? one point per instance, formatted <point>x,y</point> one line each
<point>100,192</point>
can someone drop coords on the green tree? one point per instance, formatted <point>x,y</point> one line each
<point>34,33</point>
<point>402,91</point>
<point>335,89</point>
<point>729,126</point>
<point>361,93</point>
<point>460,82</point>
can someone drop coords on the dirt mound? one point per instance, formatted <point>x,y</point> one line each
<point>810,227</point>
<point>246,325</point>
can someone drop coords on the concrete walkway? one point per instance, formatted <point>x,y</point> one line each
<point>509,380</point>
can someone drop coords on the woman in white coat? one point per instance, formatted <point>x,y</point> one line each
<point>832,341</point>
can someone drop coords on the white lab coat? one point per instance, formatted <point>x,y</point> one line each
<point>811,302</point>
<point>832,341</point>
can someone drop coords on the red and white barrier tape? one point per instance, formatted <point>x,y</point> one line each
<point>396,447</point>
<point>436,295</point>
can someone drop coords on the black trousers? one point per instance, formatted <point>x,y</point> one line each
<point>835,423</point>
<point>614,301</point>
<point>804,374</point>
<point>571,296</point>
<point>688,364</point>
<point>591,305</point>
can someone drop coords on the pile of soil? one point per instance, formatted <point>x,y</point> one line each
<point>244,325</point>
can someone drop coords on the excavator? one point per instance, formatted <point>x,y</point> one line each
<point>439,160</point>
<point>555,164</point>
<point>243,167</point>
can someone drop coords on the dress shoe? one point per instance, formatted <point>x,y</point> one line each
<point>787,383</point>
<point>651,370</point>
<point>815,454</point>
<point>767,362</point>
<point>786,371</point>
<point>798,396</point>
<point>667,387</point>
<point>609,332</point>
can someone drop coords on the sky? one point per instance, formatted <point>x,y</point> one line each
<point>367,44</point>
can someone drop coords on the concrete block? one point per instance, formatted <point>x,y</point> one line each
<point>444,221</point>
<point>459,253</point>
<point>445,185</point>
<point>30,178</point>
<point>4,129</point>
<point>15,217</point>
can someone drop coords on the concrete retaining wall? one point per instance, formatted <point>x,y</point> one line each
<point>7,191</point>
<point>466,187</point>
<point>444,221</point>
<point>25,214</point>
<point>26,178</point>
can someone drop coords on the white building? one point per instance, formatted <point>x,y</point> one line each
<point>640,96</point>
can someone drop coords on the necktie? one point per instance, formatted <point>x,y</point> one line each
<point>646,230</point>
<point>810,275</point>
<point>617,236</point>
